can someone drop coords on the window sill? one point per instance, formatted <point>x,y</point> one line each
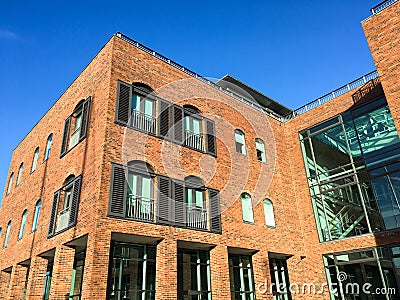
<point>249,222</point>
<point>270,227</point>
<point>241,154</point>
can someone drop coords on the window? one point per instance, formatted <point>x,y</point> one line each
<point>36,217</point>
<point>247,208</point>
<point>75,126</point>
<point>196,209</point>
<point>260,147</point>
<point>241,277</point>
<point>10,182</point>
<point>133,272</point>
<point>65,205</point>
<point>7,234</point>
<point>21,168</point>
<point>193,128</point>
<point>143,108</point>
<point>23,223</point>
<point>269,213</point>
<point>47,279</point>
<point>240,142</point>
<point>77,276</point>
<point>48,147</point>
<point>279,278</point>
<point>35,159</point>
<point>194,280</point>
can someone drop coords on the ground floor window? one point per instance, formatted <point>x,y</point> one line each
<point>279,278</point>
<point>77,276</point>
<point>47,280</point>
<point>194,281</point>
<point>241,277</point>
<point>132,272</point>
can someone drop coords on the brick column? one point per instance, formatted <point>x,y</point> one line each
<point>166,270</point>
<point>17,283</point>
<point>95,274</point>
<point>262,278</point>
<point>62,272</point>
<point>5,279</point>
<point>219,267</point>
<point>37,275</point>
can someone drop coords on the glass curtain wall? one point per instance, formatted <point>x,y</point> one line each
<point>339,156</point>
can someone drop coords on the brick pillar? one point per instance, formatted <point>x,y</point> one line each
<point>62,272</point>
<point>17,283</point>
<point>219,267</point>
<point>95,274</point>
<point>262,278</point>
<point>166,270</point>
<point>5,279</point>
<point>37,275</point>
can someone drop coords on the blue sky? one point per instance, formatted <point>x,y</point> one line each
<point>293,51</point>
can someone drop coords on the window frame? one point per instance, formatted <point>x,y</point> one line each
<point>269,214</point>
<point>19,177</point>
<point>242,269</point>
<point>263,155</point>
<point>239,134</point>
<point>23,224</point>
<point>7,237</point>
<point>48,147</point>
<point>36,215</point>
<point>35,159</point>
<point>249,208</point>
<point>10,183</point>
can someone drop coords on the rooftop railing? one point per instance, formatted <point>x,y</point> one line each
<point>381,6</point>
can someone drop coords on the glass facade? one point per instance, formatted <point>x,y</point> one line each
<point>241,277</point>
<point>279,279</point>
<point>351,171</point>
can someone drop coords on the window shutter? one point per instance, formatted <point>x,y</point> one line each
<point>180,204</point>
<point>85,119</point>
<point>53,214</point>
<point>117,202</point>
<point>124,96</point>
<point>163,118</point>
<point>211,145</point>
<point>64,145</point>
<point>73,210</point>
<point>215,211</point>
<point>177,115</point>
<point>164,200</point>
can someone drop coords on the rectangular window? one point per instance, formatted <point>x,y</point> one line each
<point>193,132</point>
<point>77,276</point>
<point>133,272</point>
<point>47,280</point>
<point>140,202</point>
<point>194,281</point>
<point>241,277</point>
<point>142,113</point>
<point>279,278</point>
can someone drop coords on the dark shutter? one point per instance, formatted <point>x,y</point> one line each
<point>117,202</point>
<point>177,117</point>
<point>211,146</point>
<point>163,118</point>
<point>73,210</point>
<point>124,96</point>
<point>215,211</point>
<point>164,200</point>
<point>64,145</point>
<point>85,119</point>
<point>53,214</point>
<point>179,204</point>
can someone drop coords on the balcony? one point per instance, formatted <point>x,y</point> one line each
<point>140,208</point>
<point>74,140</point>
<point>193,140</point>
<point>63,219</point>
<point>143,122</point>
<point>196,217</point>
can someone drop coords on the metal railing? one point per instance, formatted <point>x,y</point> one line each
<point>381,6</point>
<point>143,122</point>
<point>193,140</point>
<point>74,139</point>
<point>63,219</point>
<point>336,93</point>
<point>140,208</point>
<point>196,217</point>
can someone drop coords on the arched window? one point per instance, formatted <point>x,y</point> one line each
<point>140,189</point>
<point>48,147</point>
<point>193,127</point>
<point>23,223</point>
<point>240,142</point>
<point>260,147</point>
<point>35,159</point>
<point>196,209</point>
<point>7,234</point>
<point>36,216</point>
<point>247,208</point>
<point>67,192</point>
<point>10,182</point>
<point>21,168</point>
<point>269,213</point>
<point>143,108</point>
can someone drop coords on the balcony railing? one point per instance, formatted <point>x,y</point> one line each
<point>196,217</point>
<point>140,208</point>
<point>74,138</point>
<point>143,122</point>
<point>381,6</point>
<point>63,219</point>
<point>193,140</point>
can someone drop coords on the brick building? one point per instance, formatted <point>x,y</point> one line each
<point>147,181</point>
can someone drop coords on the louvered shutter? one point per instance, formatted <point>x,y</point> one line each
<point>53,214</point>
<point>179,204</point>
<point>73,209</point>
<point>124,96</point>
<point>164,200</point>
<point>211,145</point>
<point>85,119</point>
<point>177,117</point>
<point>117,202</point>
<point>215,211</point>
<point>163,118</point>
<point>64,145</point>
